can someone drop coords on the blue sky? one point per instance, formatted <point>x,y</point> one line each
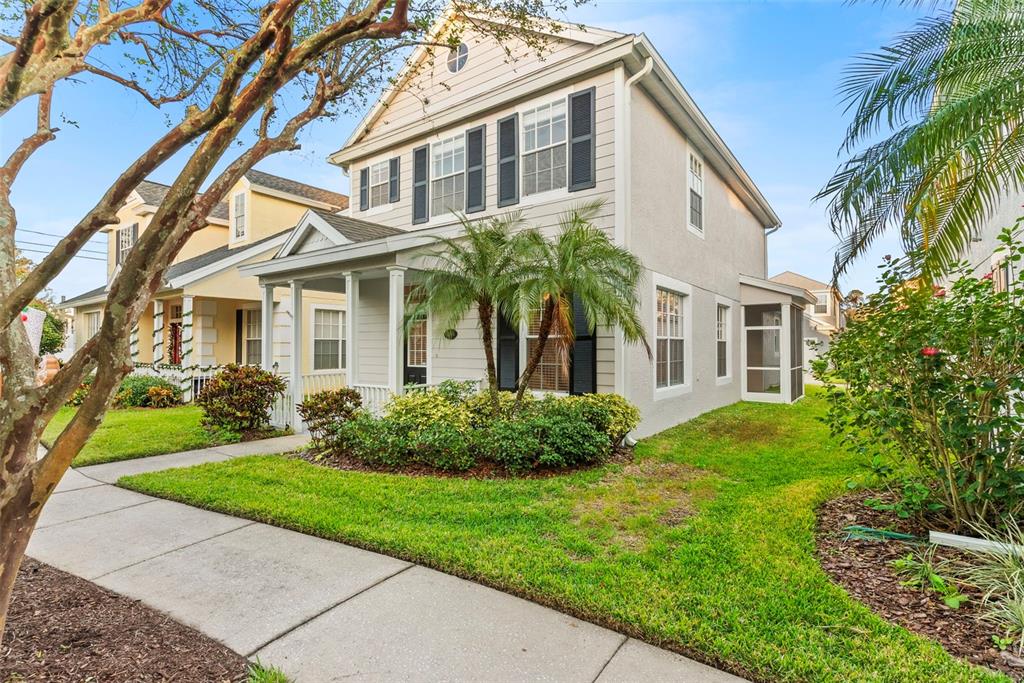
<point>765,74</point>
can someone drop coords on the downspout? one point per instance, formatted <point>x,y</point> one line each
<point>768,233</point>
<point>626,170</point>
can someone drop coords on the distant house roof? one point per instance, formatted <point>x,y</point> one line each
<point>294,187</point>
<point>92,296</point>
<point>153,193</point>
<point>788,277</point>
<point>355,229</point>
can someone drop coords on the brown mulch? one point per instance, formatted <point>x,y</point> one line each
<point>63,628</point>
<point>862,568</point>
<point>484,469</point>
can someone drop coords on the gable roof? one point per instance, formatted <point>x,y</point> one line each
<point>297,189</point>
<point>788,277</point>
<point>92,296</point>
<point>153,193</point>
<point>337,229</point>
<point>188,266</point>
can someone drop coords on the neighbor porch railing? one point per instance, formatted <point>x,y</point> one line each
<point>190,378</point>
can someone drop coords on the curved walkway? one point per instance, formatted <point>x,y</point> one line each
<point>321,611</point>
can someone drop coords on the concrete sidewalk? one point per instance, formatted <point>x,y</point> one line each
<point>320,610</point>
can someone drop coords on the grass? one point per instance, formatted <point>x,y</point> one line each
<point>128,433</point>
<point>704,545</point>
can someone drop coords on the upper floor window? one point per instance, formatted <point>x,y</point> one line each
<point>126,240</point>
<point>92,323</point>
<point>696,193</point>
<point>821,305</point>
<point>457,57</point>
<point>448,187</point>
<point>544,148</point>
<point>670,344</point>
<point>239,217</point>
<point>380,184</point>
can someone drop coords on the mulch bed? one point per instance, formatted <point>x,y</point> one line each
<point>862,568</point>
<point>484,469</point>
<point>63,628</point>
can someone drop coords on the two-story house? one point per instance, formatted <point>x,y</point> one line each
<point>483,131</point>
<point>206,314</point>
<point>822,319</point>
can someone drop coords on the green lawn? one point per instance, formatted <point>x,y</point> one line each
<point>705,545</point>
<point>138,432</point>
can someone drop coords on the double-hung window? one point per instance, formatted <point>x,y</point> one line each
<point>416,335</point>
<point>670,344</point>
<point>544,148</point>
<point>696,193</point>
<point>821,305</point>
<point>722,340</point>
<point>125,241</point>
<point>380,184</point>
<point>92,323</point>
<point>253,336</point>
<point>328,339</point>
<point>448,187</point>
<point>552,372</point>
<point>239,215</point>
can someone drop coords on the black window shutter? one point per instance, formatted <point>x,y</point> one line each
<point>117,246</point>
<point>475,186</point>
<point>583,377</point>
<point>508,160</point>
<point>364,188</point>
<point>420,184</point>
<point>239,313</point>
<point>394,166</point>
<point>582,152</point>
<point>508,355</point>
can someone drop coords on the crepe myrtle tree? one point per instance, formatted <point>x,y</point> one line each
<point>234,63</point>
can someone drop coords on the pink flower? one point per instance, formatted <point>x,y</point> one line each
<point>930,351</point>
<point>938,291</point>
<point>986,276</point>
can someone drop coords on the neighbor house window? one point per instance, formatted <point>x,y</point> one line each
<point>239,215</point>
<point>380,183</point>
<point>544,148</point>
<point>552,372</point>
<point>457,57</point>
<point>722,340</point>
<point>696,193</point>
<point>92,323</point>
<point>670,369</point>
<point>253,336</point>
<point>1002,276</point>
<point>125,241</point>
<point>448,191</point>
<point>821,305</point>
<point>328,339</point>
<point>416,336</point>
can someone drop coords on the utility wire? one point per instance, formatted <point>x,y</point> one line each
<point>49,234</point>
<point>44,252</point>
<point>51,246</point>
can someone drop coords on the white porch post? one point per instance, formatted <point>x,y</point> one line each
<point>267,325</point>
<point>351,328</point>
<point>296,370</point>
<point>396,319</point>
<point>158,332</point>
<point>786,360</point>
<point>186,347</point>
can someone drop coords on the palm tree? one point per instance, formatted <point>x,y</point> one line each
<point>479,269</point>
<point>580,263</point>
<point>949,91</point>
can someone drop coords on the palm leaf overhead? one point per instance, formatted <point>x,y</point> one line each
<point>950,94</point>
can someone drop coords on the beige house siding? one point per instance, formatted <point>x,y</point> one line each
<point>265,215</point>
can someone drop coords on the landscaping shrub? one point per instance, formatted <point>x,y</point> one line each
<point>372,440</point>
<point>481,409</point>
<point>322,410</point>
<point>444,446</point>
<point>932,379</point>
<point>239,398</point>
<point>610,413</point>
<point>455,391</point>
<point>416,410</point>
<point>513,444</point>
<point>135,392</point>
<point>567,436</point>
<point>81,392</point>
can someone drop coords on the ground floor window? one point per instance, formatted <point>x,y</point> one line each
<point>253,336</point>
<point>92,323</point>
<point>416,332</point>
<point>328,339</point>
<point>552,372</point>
<point>670,342</point>
<point>722,340</point>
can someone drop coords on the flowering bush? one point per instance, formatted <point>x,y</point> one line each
<point>932,380</point>
<point>239,398</point>
<point>135,392</point>
<point>322,410</point>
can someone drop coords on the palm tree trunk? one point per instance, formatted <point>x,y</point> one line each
<point>547,320</point>
<point>486,312</point>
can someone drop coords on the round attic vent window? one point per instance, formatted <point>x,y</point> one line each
<point>457,57</point>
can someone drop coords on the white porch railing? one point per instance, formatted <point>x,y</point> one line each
<point>375,396</point>
<point>316,382</point>
<point>191,379</point>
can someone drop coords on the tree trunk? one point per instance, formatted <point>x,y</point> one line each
<point>486,312</point>
<point>17,520</point>
<point>547,320</point>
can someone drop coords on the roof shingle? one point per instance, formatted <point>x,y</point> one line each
<point>294,187</point>
<point>355,229</point>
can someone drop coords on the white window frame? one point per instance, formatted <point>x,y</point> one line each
<point>90,330</point>
<point>730,313</point>
<point>524,152</point>
<point>426,335</point>
<point>456,54</point>
<point>524,337</point>
<point>247,328</point>
<point>692,180</point>
<point>380,169</point>
<point>342,345</point>
<point>235,237</point>
<point>659,281</point>
<point>828,304</point>
<point>125,241</point>
<point>458,139</point>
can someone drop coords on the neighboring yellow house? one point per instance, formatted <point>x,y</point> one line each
<point>206,314</point>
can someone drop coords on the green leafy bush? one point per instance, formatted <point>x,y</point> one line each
<point>931,379</point>
<point>372,440</point>
<point>322,410</point>
<point>444,446</point>
<point>163,397</point>
<point>610,413</point>
<point>416,410</point>
<point>134,392</point>
<point>567,434</point>
<point>81,392</point>
<point>481,408</point>
<point>513,444</point>
<point>455,391</point>
<point>239,398</point>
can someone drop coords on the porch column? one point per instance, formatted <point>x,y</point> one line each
<point>396,321</point>
<point>351,328</point>
<point>186,348</point>
<point>296,370</point>
<point>158,332</point>
<point>267,325</point>
<point>786,355</point>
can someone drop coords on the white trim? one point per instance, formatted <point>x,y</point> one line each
<point>342,340</point>
<point>730,329</point>
<point>247,308</point>
<point>659,281</point>
<point>296,198</point>
<point>691,156</point>
<point>233,258</point>
<point>234,238</point>
<point>802,295</point>
<point>310,221</point>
